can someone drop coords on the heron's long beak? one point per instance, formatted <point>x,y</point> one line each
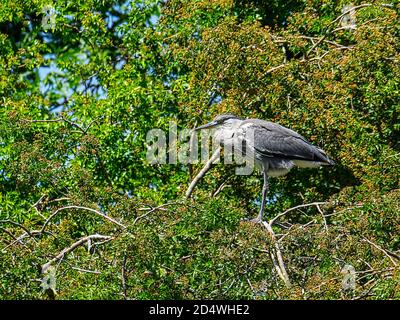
<point>207,125</point>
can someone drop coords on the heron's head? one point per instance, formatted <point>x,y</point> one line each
<point>221,121</point>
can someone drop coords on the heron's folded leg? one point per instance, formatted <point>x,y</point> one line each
<point>263,200</point>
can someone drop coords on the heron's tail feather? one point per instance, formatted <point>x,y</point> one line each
<point>324,159</point>
<point>330,162</point>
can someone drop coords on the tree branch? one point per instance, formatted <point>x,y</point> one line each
<point>151,210</point>
<point>202,172</point>
<point>76,244</point>
<point>279,265</point>
<point>387,253</point>
<point>337,19</point>
<point>294,208</point>
<point>16,224</point>
<point>81,208</point>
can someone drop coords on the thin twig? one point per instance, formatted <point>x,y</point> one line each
<point>352,8</point>
<point>328,31</point>
<point>74,124</point>
<point>337,19</point>
<point>81,208</point>
<point>276,68</point>
<point>221,186</point>
<point>123,276</point>
<point>84,270</point>
<point>8,232</point>
<point>64,119</point>
<point>42,120</point>
<point>323,217</point>
<point>24,235</point>
<point>59,199</point>
<point>16,224</point>
<point>39,201</point>
<point>294,208</point>
<point>36,205</point>
<point>151,210</point>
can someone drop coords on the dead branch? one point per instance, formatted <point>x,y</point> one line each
<point>387,253</point>
<point>151,210</point>
<point>74,124</point>
<point>345,209</point>
<point>202,172</point>
<point>8,232</point>
<point>352,8</point>
<point>23,236</point>
<point>85,270</point>
<point>302,226</point>
<point>71,248</point>
<point>328,30</point>
<point>81,208</point>
<point>16,224</point>
<point>305,60</point>
<point>323,217</point>
<point>333,43</point>
<point>59,199</point>
<point>279,265</point>
<point>123,277</point>
<point>62,119</point>
<point>37,206</point>
<point>275,68</point>
<point>41,120</point>
<point>294,208</point>
<point>220,188</point>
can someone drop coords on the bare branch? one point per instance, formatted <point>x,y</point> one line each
<point>279,265</point>
<point>123,277</point>
<point>220,188</point>
<point>337,19</point>
<point>74,124</point>
<point>352,8</point>
<point>202,172</point>
<point>294,208</point>
<point>387,253</point>
<point>151,210</point>
<point>84,270</point>
<point>81,208</point>
<point>37,204</point>
<point>23,236</point>
<point>76,244</point>
<point>333,43</point>
<point>309,60</point>
<point>42,120</point>
<point>39,201</point>
<point>275,68</point>
<point>63,119</point>
<point>323,217</point>
<point>16,224</point>
<point>60,199</point>
<point>8,232</point>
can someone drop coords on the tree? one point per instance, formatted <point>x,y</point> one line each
<point>81,85</point>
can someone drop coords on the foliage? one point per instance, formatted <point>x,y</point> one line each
<point>79,96</point>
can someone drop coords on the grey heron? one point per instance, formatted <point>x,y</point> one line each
<point>274,149</point>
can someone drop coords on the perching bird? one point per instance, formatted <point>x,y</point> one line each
<point>273,148</point>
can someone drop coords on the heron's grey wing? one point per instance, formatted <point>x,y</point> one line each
<point>274,140</point>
